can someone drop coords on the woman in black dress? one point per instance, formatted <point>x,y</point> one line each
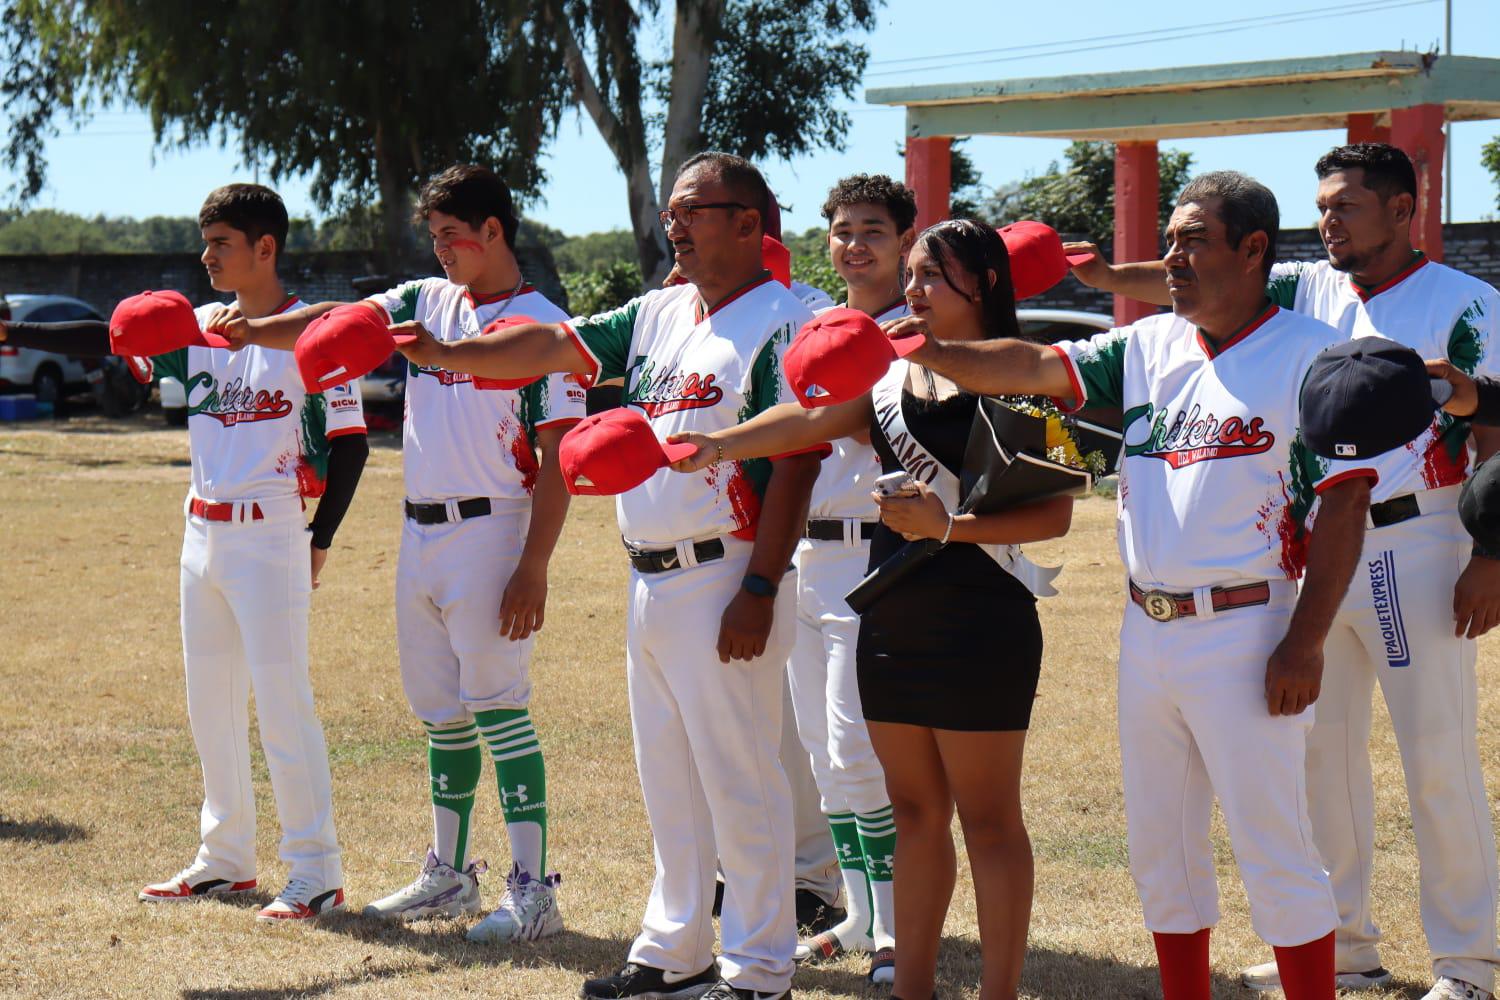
<point>948,660</point>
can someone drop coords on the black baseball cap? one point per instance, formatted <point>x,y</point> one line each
<point>1479,505</point>
<point>1366,396</point>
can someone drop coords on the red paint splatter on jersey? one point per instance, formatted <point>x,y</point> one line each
<point>744,503</point>
<point>512,435</point>
<point>1278,524</point>
<point>308,483</point>
<point>1440,467</point>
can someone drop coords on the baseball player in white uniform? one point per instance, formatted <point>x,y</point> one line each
<point>482,516</point>
<point>1397,624</point>
<point>708,553</point>
<point>870,229</point>
<point>1219,653</point>
<point>260,446</point>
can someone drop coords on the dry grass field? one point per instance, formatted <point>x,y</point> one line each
<point>99,785</point>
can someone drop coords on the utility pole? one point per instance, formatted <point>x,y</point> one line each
<point>1448,125</point>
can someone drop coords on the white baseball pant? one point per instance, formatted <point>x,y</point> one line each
<point>707,740</point>
<point>245,588</point>
<point>450,579</point>
<point>1193,725</point>
<point>1396,626</point>
<point>814,862</point>
<point>825,686</point>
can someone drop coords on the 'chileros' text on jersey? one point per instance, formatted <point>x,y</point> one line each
<point>461,438</point>
<point>691,371</point>
<point>254,432</point>
<point>1437,312</point>
<point>1215,483</point>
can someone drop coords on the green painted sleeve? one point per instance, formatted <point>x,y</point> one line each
<point>1281,288</point>
<point>1100,362</point>
<point>173,364</point>
<point>607,336</point>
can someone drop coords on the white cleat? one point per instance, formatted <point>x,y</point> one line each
<point>439,891</point>
<point>1267,977</point>
<point>1448,988</point>
<point>527,911</point>
<point>301,900</point>
<point>193,882</point>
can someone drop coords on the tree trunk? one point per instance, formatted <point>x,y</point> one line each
<point>693,37</point>
<point>395,252</point>
<point>624,131</point>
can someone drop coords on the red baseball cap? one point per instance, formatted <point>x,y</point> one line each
<point>504,383</point>
<point>154,323</point>
<point>343,344</point>
<point>777,259</point>
<point>614,452</point>
<point>1037,260</point>
<point>839,355</point>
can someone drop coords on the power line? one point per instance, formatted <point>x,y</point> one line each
<point>1148,38</point>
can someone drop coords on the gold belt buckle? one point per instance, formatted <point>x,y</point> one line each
<point>1159,606</point>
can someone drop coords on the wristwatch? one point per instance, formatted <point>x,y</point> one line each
<point>758,586</point>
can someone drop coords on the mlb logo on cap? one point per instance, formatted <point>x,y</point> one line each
<point>1037,260</point>
<point>614,452</point>
<point>154,323</point>
<point>839,355</point>
<point>344,344</point>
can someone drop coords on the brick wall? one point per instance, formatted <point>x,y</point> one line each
<point>1469,246</point>
<point>104,279</point>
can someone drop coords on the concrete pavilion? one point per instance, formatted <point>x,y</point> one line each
<point>1398,97</point>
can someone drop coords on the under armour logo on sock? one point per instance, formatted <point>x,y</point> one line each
<point>847,852</point>
<point>882,866</point>
<point>519,795</point>
<point>441,781</point>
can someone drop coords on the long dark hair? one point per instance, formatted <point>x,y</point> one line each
<point>976,249</point>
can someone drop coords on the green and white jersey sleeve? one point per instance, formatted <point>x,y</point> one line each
<point>1215,485</point>
<point>464,437</point>
<point>254,432</point>
<point>693,370</point>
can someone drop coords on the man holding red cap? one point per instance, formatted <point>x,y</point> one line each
<point>710,623</point>
<point>259,445</point>
<point>482,519</point>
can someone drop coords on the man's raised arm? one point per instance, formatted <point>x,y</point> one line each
<point>1145,281</point>
<point>994,367</point>
<point>527,350</point>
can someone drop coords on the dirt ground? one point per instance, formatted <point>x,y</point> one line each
<point>100,788</point>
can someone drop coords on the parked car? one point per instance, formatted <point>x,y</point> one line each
<point>27,369</point>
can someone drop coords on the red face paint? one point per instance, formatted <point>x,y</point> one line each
<point>459,244</point>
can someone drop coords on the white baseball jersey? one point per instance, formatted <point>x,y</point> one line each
<point>1215,483</point>
<point>690,370</point>
<point>460,440</point>
<point>1433,309</point>
<point>254,431</point>
<point>814,298</point>
<point>849,473</point>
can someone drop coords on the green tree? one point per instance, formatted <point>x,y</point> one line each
<point>1489,156</point>
<point>753,77</point>
<point>1080,198</point>
<point>602,289</point>
<point>368,102</point>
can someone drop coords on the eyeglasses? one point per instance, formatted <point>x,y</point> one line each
<point>688,214</point>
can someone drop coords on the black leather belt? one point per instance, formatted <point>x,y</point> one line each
<point>1395,510</point>
<point>437,513</point>
<point>831,529</point>
<point>662,560</point>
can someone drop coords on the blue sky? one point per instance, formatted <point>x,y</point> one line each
<point>1090,38</point>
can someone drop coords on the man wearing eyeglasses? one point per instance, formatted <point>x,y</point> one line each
<point>709,625</point>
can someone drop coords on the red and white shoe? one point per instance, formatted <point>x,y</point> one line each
<point>301,901</point>
<point>193,882</point>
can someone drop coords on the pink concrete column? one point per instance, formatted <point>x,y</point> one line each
<point>1419,131</point>
<point>1137,235</point>
<point>929,175</point>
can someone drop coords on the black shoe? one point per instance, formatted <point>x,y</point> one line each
<point>648,983</point>
<point>723,991</point>
<point>814,915</point>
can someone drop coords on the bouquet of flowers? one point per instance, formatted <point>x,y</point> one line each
<point>1069,440</point>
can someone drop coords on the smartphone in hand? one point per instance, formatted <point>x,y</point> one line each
<point>896,484</point>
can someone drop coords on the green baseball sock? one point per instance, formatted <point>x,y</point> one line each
<point>852,869</point>
<point>455,762</point>
<point>877,836</point>
<point>522,778</point>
